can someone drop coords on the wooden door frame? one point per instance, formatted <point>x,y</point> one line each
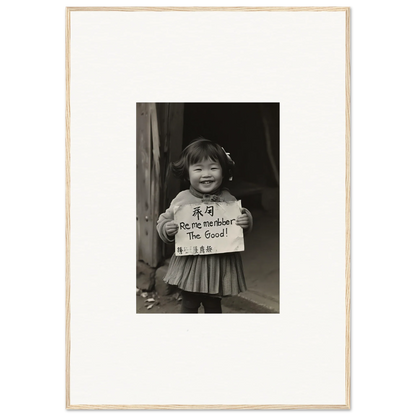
<point>159,131</point>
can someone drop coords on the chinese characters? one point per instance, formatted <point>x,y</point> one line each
<point>180,250</point>
<point>208,210</point>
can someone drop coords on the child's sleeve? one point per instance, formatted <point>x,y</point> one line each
<point>161,225</point>
<point>229,197</point>
<point>168,216</point>
<point>250,217</point>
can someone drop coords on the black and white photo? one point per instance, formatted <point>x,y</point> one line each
<point>207,154</point>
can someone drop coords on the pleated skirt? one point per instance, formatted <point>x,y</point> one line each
<point>214,274</point>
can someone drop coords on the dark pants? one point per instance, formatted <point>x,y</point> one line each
<point>192,301</point>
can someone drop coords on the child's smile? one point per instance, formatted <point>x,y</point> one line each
<point>205,176</point>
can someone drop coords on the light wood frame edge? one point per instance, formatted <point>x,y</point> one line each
<point>67,205</point>
<point>134,7</point>
<point>206,407</point>
<point>207,9</point>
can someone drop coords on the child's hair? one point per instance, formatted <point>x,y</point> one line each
<point>199,150</point>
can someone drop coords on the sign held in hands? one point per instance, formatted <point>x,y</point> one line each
<point>208,228</point>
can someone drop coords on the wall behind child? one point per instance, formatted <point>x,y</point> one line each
<point>240,129</point>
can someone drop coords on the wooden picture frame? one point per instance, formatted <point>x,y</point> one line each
<point>71,138</point>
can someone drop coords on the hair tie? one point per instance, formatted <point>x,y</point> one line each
<point>230,160</point>
<point>228,156</point>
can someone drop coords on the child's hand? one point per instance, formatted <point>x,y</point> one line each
<point>171,228</point>
<point>243,221</point>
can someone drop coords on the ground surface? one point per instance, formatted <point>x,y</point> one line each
<point>152,302</point>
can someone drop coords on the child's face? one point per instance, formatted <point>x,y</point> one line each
<point>205,176</point>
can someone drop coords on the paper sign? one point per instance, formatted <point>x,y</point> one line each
<point>208,228</point>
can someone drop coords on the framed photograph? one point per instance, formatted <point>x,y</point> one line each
<point>208,172</point>
<point>243,262</point>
